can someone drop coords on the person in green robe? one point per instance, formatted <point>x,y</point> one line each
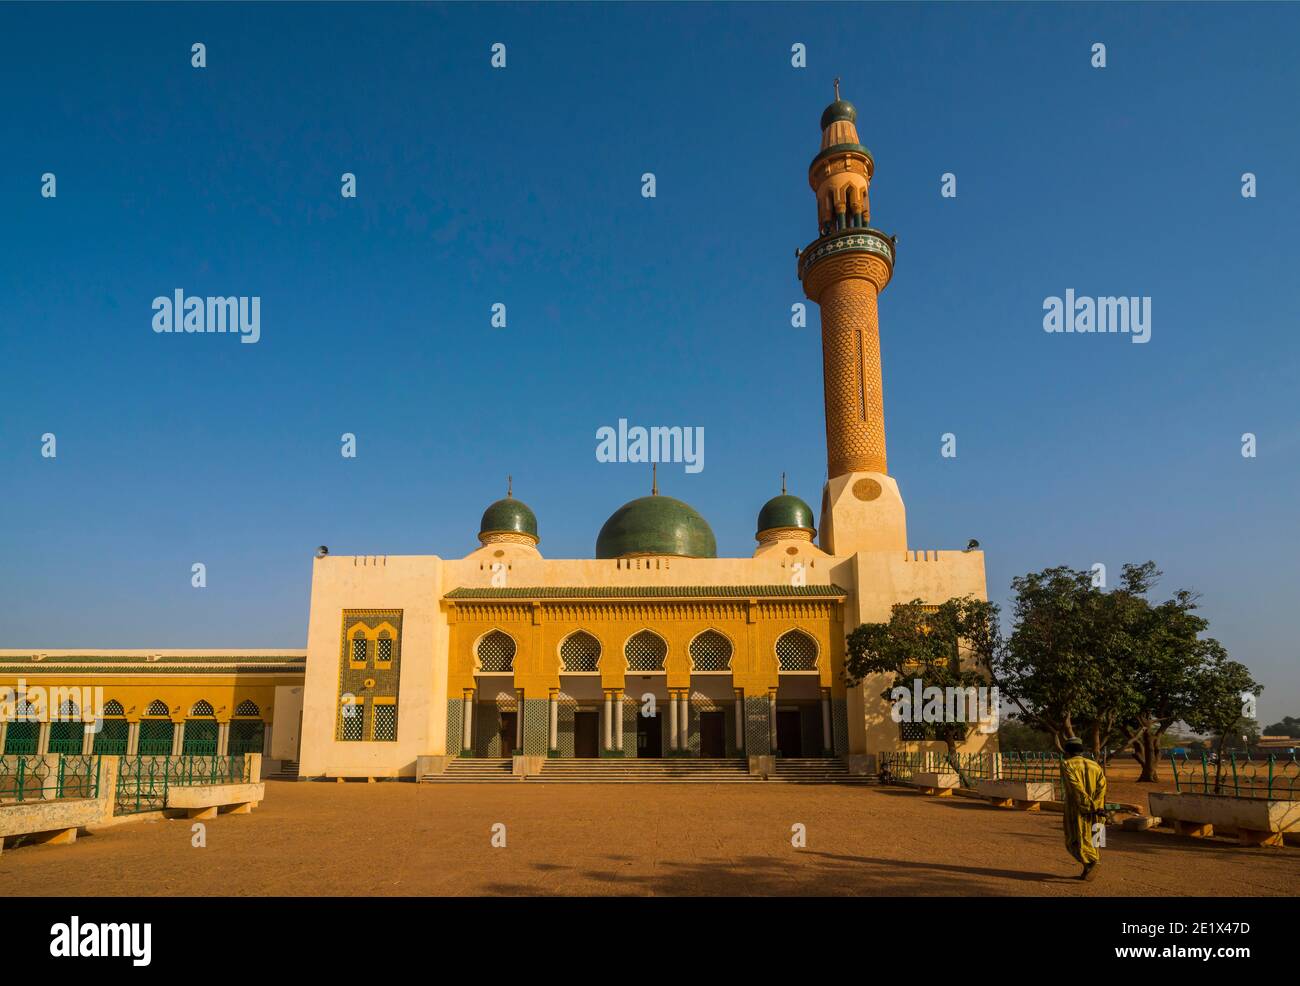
<point>1084,785</point>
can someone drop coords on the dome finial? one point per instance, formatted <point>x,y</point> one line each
<point>783,484</point>
<point>837,87</point>
<point>654,479</point>
<point>510,486</point>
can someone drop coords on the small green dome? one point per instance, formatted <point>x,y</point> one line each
<point>785,510</point>
<point>841,109</point>
<point>656,525</point>
<point>508,515</point>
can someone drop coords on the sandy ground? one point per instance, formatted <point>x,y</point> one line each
<point>401,838</point>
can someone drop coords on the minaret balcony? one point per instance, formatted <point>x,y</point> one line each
<point>862,239</point>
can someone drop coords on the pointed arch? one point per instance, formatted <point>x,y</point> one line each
<point>494,653</point>
<point>580,653</point>
<point>645,651</point>
<point>796,650</point>
<point>711,650</point>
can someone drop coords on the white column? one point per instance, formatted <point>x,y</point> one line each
<point>672,721</point>
<point>826,720</point>
<point>553,735</point>
<point>609,714</point>
<point>618,721</point>
<point>4,728</point>
<point>87,740</point>
<point>519,722</point>
<point>132,739</point>
<point>684,721</point>
<point>740,721</point>
<point>223,739</point>
<point>467,721</point>
<point>178,738</point>
<point>771,721</point>
<point>43,740</point>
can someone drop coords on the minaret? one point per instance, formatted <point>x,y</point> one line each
<point>843,272</point>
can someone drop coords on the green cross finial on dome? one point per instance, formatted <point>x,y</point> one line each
<point>510,486</point>
<point>837,88</point>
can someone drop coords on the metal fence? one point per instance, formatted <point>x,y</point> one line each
<point>28,777</point>
<point>1235,775</point>
<point>972,767</point>
<point>143,781</point>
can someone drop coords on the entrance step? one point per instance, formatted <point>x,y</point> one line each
<point>474,770</point>
<point>288,771</point>
<point>816,770</point>
<point>645,770</point>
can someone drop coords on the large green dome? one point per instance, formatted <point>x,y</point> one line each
<point>656,525</point>
<point>785,510</point>
<point>509,516</point>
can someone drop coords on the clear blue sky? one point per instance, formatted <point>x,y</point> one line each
<point>522,186</point>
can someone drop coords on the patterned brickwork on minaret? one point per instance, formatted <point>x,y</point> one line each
<point>843,272</point>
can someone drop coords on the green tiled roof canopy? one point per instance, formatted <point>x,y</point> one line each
<point>640,591</point>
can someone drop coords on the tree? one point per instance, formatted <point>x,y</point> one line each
<point>1221,687</point>
<point>921,649</point>
<point>1289,726</point>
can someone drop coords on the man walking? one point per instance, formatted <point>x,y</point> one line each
<point>1085,805</point>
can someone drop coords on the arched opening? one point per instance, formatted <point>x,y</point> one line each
<point>67,731</point>
<point>496,653</point>
<point>711,651</point>
<point>802,716</point>
<point>24,732</point>
<point>580,653</point>
<point>201,731</point>
<point>247,730</point>
<point>645,652</point>
<point>114,730</point>
<point>156,731</point>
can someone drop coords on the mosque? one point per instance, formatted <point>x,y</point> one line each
<point>654,648</point>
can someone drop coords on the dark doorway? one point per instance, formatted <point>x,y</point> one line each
<point>509,732</point>
<point>713,734</point>
<point>649,736</point>
<point>789,738</point>
<point>586,734</point>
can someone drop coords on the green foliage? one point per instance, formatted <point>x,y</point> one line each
<point>1289,726</point>
<point>1018,736</point>
<point>926,646</point>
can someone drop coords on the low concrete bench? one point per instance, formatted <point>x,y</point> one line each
<point>50,822</point>
<point>1025,795</point>
<point>939,783</point>
<point>1255,821</point>
<point>204,801</point>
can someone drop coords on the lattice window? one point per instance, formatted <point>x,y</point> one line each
<point>25,710</point>
<point>646,652</point>
<point>711,651</point>
<point>113,708</point>
<point>580,652</point>
<point>352,719</point>
<point>157,708</point>
<point>359,650</point>
<point>385,722</point>
<point>796,651</point>
<point>202,708</point>
<point>496,652</point>
<point>247,708</point>
<point>911,731</point>
<point>384,649</point>
<point>68,709</point>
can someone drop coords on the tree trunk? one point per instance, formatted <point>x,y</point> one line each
<point>1150,758</point>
